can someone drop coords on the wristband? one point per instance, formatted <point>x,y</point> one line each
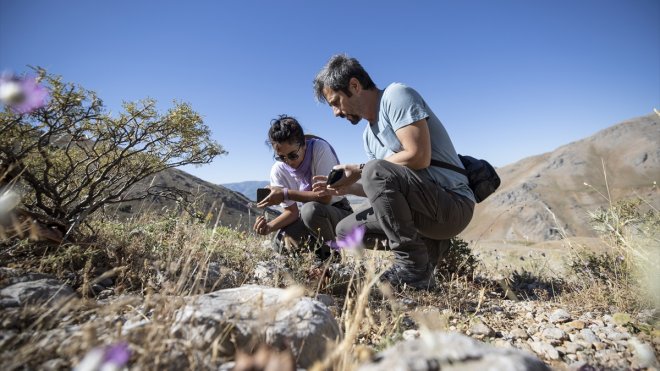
<point>286,193</point>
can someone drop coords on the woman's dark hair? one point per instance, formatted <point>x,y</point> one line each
<point>285,129</point>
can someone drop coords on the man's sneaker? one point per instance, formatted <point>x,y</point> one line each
<point>401,273</point>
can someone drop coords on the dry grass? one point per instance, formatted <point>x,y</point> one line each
<point>152,264</point>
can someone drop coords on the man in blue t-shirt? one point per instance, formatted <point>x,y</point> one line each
<point>411,203</point>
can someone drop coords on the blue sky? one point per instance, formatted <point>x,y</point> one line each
<point>509,79</point>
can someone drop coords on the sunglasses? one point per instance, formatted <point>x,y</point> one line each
<point>292,156</point>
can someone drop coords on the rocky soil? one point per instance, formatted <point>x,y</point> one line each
<point>500,328</point>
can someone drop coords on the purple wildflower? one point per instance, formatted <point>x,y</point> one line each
<point>113,357</point>
<point>352,240</point>
<point>23,95</point>
<point>117,354</point>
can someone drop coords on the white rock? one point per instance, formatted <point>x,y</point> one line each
<point>451,351</point>
<point>644,353</point>
<point>560,316</point>
<point>235,317</point>
<point>410,334</point>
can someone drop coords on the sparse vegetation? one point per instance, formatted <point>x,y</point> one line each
<point>627,275</point>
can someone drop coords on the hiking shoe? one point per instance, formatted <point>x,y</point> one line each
<point>402,273</point>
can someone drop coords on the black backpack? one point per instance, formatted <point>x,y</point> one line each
<point>481,175</point>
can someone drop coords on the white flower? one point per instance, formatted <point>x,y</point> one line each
<point>8,201</point>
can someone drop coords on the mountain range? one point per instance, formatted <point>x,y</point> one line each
<point>548,196</point>
<point>247,188</point>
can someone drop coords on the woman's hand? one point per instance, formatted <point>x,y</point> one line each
<point>275,197</point>
<point>261,226</point>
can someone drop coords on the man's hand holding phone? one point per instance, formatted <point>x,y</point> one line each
<point>334,176</point>
<point>339,182</point>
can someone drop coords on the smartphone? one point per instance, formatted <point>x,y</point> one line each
<point>262,193</point>
<point>334,176</point>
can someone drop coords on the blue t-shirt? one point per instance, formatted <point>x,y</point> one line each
<point>401,106</point>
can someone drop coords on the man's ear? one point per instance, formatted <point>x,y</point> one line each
<point>354,85</point>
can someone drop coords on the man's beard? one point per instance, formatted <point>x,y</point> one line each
<point>353,119</point>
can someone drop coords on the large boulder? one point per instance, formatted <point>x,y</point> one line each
<point>247,316</point>
<point>451,351</point>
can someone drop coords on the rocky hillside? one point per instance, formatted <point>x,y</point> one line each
<point>212,202</point>
<point>544,197</point>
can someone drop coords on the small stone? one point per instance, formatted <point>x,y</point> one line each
<point>410,334</point>
<point>621,318</point>
<point>572,348</point>
<point>554,334</point>
<point>589,336</point>
<point>607,318</point>
<point>544,349</point>
<point>519,333</point>
<point>615,336</point>
<point>480,328</point>
<point>621,344</point>
<point>577,324</point>
<point>560,316</point>
<point>599,345</point>
<point>500,343</point>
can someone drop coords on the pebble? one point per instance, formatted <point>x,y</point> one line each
<point>410,334</point>
<point>577,324</point>
<point>618,336</point>
<point>544,349</point>
<point>560,316</point>
<point>554,333</point>
<point>518,333</point>
<point>599,345</point>
<point>589,336</point>
<point>481,328</point>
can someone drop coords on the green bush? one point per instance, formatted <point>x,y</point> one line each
<point>72,158</point>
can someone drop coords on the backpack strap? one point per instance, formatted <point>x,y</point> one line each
<point>449,166</point>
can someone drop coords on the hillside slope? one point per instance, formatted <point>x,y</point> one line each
<point>544,197</point>
<point>212,201</point>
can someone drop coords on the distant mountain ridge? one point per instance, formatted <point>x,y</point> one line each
<point>247,188</point>
<point>544,197</point>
